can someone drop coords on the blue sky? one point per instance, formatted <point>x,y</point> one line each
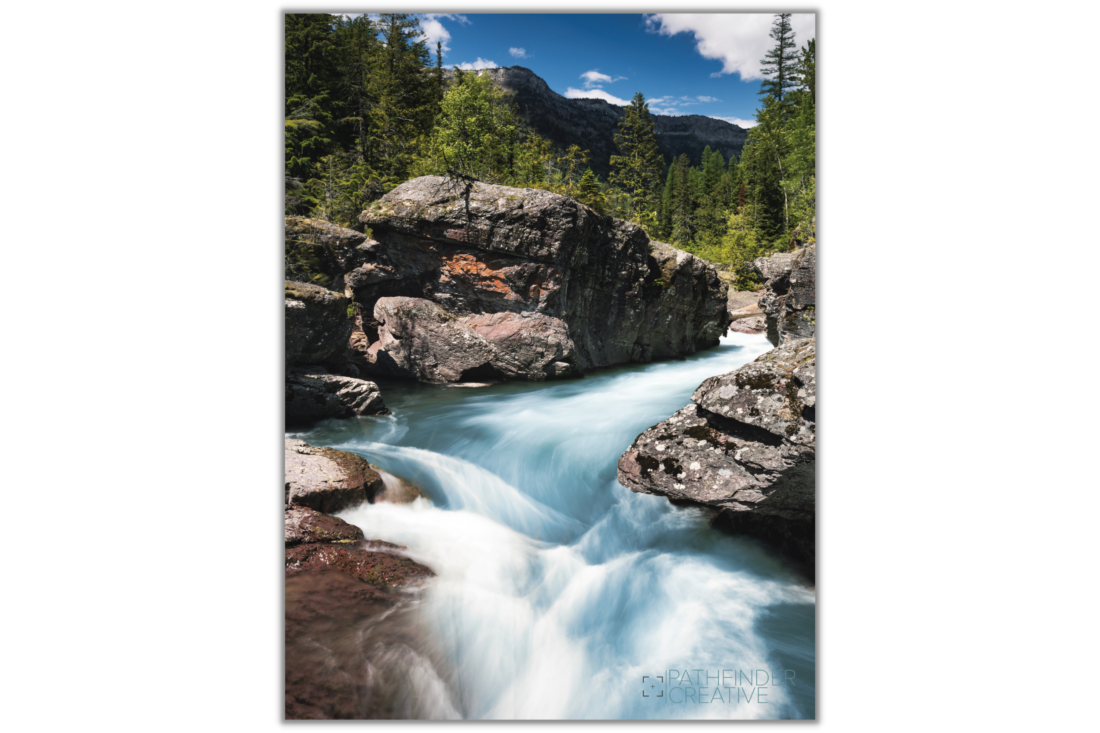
<point>684,64</point>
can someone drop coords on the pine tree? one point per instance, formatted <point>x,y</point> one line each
<point>588,191</point>
<point>405,94</point>
<point>664,217</point>
<point>778,64</point>
<point>638,167</point>
<point>682,204</point>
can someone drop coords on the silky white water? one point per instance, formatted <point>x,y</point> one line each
<point>558,590</point>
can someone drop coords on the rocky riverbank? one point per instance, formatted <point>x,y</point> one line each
<point>745,447</point>
<point>339,588</point>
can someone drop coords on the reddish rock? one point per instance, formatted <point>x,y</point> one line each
<point>373,562</point>
<point>303,525</point>
<point>325,479</point>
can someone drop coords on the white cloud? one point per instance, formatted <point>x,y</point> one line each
<point>594,78</point>
<point>572,93</point>
<point>477,65</point>
<point>736,121</point>
<point>667,111</point>
<point>432,29</point>
<point>658,100</point>
<point>704,98</point>
<point>738,40</point>
<point>518,53</point>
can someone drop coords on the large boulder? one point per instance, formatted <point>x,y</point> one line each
<point>744,447</point>
<point>480,250</point>
<point>790,294</point>
<point>526,345</point>
<point>317,324</point>
<point>311,393</point>
<point>325,479</point>
<point>420,340</point>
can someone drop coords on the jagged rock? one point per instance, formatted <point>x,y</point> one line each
<point>526,345</point>
<point>746,447</point>
<point>317,325</point>
<point>777,392</point>
<point>482,249</point>
<point>420,340</point>
<point>303,525</point>
<point>311,393</point>
<point>325,479</point>
<point>790,297</point>
<point>592,123</point>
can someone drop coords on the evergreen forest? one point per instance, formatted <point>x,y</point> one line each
<point>368,106</point>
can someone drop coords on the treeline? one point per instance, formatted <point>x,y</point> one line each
<point>731,212</point>
<point>368,107</point>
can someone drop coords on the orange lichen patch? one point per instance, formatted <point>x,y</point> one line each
<point>470,269</point>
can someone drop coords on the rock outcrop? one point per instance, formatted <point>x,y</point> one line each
<point>325,479</point>
<point>790,294</point>
<point>745,447</point>
<point>311,393</point>
<point>544,286</point>
<point>319,335</point>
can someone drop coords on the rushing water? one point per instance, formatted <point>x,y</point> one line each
<point>559,589</point>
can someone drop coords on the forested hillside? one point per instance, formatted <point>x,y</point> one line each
<point>368,106</point>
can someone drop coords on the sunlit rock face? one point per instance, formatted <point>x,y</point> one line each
<point>789,300</point>
<point>745,446</point>
<point>552,287</point>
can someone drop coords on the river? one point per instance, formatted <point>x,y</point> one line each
<point>559,590</point>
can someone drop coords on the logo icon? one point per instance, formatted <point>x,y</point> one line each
<point>651,688</point>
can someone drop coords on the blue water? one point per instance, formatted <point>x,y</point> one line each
<point>558,590</point>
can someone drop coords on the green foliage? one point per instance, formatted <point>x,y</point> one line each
<point>637,169</point>
<point>368,107</point>
<point>475,134</point>
<point>778,64</point>
<point>589,193</point>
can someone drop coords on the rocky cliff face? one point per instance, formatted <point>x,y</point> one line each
<point>745,447</point>
<point>790,294</point>
<point>529,283</point>
<point>591,123</point>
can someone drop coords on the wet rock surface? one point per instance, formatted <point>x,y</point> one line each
<point>303,525</point>
<point>311,394</point>
<point>790,294</point>
<point>597,287</point>
<point>745,447</point>
<point>325,479</point>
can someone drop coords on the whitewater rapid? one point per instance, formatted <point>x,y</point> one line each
<point>558,590</point>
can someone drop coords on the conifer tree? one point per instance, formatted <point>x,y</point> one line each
<point>638,167</point>
<point>778,64</point>
<point>588,191</point>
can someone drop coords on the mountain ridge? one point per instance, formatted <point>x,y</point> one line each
<point>592,123</point>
